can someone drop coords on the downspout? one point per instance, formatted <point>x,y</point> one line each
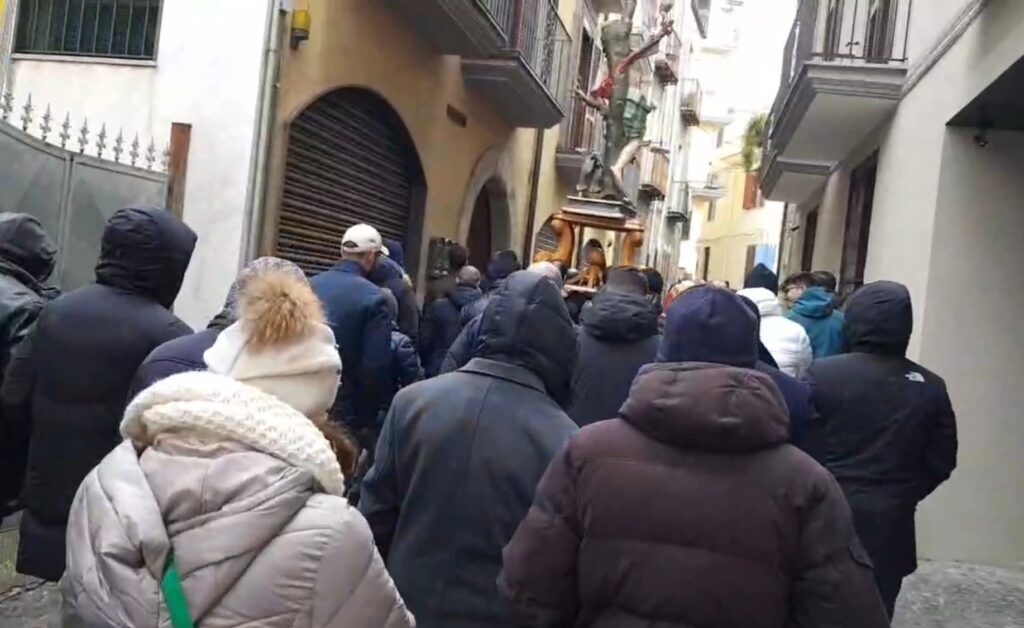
<point>257,184</point>
<point>531,206</point>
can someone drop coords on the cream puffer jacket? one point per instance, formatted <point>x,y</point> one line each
<point>247,492</point>
<point>786,340</point>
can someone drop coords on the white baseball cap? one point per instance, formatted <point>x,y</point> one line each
<point>363,238</point>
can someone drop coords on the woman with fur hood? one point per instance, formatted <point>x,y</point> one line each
<point>224,504</point>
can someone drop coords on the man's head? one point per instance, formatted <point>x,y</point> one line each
<point>708,324</point>
<point>502,264</point>
<point>825,279</point>
<point>363,245</point>
<point>627,280</point>
<point>879,319</point>
<point>762,277</point>
<point>468,276</point>
<point>549,270</point>
<point>795,285</point>
<point>458,256</point>
<point>655,282</point>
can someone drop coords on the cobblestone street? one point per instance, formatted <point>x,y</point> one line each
<point>938,596</point>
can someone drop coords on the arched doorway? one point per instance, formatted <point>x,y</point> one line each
<point>489,226</point>
<point>350,160</point>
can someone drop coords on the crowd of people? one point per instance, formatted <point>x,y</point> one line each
<point>328,452</point>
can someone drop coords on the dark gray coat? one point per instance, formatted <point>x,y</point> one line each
<point>461,454</point>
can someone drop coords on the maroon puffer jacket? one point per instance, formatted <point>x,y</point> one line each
<point>690,511</point>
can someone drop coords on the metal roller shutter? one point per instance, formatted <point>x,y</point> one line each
<point>346,164</point>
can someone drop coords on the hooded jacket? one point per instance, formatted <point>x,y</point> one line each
<point>442,324</point>
<point>619,334</point>
<point>786,340</point>
<point>388,273</point>
<point>247,493</point>
<point>690,510</point>
<point>460,456</point>
<point>69,380</point>
<point>27,258</point>
<point>887,424</point>
<point>816,313</point>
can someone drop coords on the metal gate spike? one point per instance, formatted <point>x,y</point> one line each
<point>6,105</point>
<point>118,146</point>
<point>83,137</point>
<point>150,155</point>
<point>134,153</point>
<point>65,131</point>
<point>26,118</point>
<point>45,127</point>
<point>101,141</point>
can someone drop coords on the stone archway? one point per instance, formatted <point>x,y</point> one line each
<point>485,224</point>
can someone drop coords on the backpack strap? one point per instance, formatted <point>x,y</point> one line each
<point>174,595</point>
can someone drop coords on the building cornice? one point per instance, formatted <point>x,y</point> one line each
<point>949,36</point>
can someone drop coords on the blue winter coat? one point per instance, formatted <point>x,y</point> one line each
<point>461,454</point>
<point>388,273</point>
<point>816,311</point>
<point>180,355</point>
<point>442,323</point>
<point>357,314</point>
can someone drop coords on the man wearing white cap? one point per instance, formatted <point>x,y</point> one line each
<point>358,316</point>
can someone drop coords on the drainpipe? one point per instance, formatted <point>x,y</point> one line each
<point>531,206</point>
<point>257,184</point>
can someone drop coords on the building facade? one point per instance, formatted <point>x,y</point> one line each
<point>896,141</point>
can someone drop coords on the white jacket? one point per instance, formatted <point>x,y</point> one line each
<point>786,340</point>
<point>247,492</point>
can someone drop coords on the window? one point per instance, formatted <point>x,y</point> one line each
<point>705,262</point>
<point>751,259</point>
<point>125,29</point>
<point>858,225</point>
<point>810,233</point>
<point>720,139</point>
<point>712,207</point>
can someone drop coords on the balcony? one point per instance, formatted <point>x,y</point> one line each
<point>582,134</point>
<point>666,59</point>
<point>654,169</point>
<point>702,12</point>
<point>710,190</point>
<point>690,97</point>
<point>514,53</point>
<point>843,72</point>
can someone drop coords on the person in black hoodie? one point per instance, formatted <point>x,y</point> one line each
<point>27,258</point>
<point>69,380</point>
<point>889,429</point>
<point>619,334</point>
<point>461,454</point>
<point>442,319</point>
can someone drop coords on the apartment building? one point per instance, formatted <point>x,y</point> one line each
<point>896,141</point>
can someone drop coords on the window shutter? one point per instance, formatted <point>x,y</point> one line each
<point>750,190</point>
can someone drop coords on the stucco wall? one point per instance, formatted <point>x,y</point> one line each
<point>971,336</point>
<point>354,43</point>
<point>206,74</point>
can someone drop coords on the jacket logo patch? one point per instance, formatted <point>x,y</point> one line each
<point>914,376</point>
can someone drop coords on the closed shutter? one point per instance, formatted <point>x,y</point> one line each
<point>346,164</point>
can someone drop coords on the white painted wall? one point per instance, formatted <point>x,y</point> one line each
<point>972,337</point>
<point>206,74</point>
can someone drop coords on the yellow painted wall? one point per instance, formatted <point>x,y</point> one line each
<point>734,228</point>
<point>365,44</point>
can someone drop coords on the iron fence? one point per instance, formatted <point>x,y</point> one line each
<point>691,97</point>
<point>107,28</point>
<point>501,12</point>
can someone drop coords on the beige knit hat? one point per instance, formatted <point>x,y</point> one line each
<point>280,345</point>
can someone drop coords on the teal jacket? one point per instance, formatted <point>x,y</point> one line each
<point>824,324</point>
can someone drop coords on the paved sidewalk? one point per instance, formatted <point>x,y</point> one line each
<point>938,596</point>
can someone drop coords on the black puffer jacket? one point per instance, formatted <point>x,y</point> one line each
<point>27,257</point>
<point>887,425</point>
<point>461,455</point>
<point>619,335</point>
<point>442,324</point>
<point>70,379</point>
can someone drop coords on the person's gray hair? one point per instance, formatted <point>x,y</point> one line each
<point>468,276</point>
<point>547,269</point>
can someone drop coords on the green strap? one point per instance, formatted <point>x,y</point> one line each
<point>174,595</point>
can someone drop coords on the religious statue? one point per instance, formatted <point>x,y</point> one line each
<point>624,110</point>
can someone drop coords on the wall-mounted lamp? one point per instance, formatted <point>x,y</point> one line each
<point>300,27</point>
